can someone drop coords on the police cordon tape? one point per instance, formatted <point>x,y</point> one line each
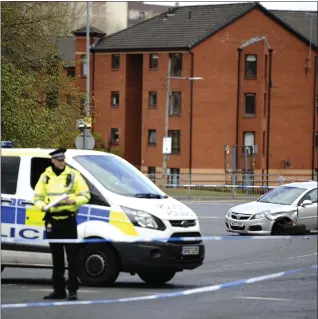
<point>187,292</point>
<point>159,239</point>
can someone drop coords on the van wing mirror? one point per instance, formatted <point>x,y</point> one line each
<point>306,202</point>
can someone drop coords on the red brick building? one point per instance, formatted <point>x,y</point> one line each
<point>259,87</point>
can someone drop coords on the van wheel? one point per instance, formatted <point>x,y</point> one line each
<point>98,265</point>
<point>156,278</point>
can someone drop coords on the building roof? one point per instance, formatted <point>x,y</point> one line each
<point>92,30</point>
<point>188,26</point>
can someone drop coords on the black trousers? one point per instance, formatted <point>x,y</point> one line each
<point>63,229</point>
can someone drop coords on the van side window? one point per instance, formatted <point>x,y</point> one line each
<point>38,166</point>
<point>9,174</point>
<point>96,197</point>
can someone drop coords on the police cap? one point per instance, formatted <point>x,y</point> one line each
<point>58,154</point>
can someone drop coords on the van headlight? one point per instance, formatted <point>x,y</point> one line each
<point>143,219</point>
<point>260,215</point>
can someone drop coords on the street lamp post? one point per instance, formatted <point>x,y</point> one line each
<point>166,140</point>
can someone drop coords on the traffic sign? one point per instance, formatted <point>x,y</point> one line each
<point>166,145</point>
<point>84,123</point>
<point>85,140</point>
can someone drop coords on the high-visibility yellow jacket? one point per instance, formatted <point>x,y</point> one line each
<point>50,187</point>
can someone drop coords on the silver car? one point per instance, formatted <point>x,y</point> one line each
<point>284,207</point>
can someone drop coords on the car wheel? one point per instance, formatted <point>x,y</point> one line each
<point>286,228</point>
<point>2,267</point>
<point>99,265</point>
<point>156,278</point>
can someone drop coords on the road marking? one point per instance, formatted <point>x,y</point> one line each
<point>302,256</point>
<point>49,290</point>
<point>265,298</point>
<point>255,262</point>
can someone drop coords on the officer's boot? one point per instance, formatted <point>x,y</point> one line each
<point>56,295</point>
<point>72,295</point>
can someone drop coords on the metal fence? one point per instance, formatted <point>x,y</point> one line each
<point>240,186</point>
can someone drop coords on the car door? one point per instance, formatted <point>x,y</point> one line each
<point>308,215</point>
<point>10,166</point>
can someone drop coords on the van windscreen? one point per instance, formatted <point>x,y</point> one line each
<point>119,176</point>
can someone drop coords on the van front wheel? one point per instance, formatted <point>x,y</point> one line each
<point>156,278</point>
<point>98,265</point>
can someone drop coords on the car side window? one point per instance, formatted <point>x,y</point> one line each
<point>313,195</point>
<point>9,174</point>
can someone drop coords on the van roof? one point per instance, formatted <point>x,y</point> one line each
<point>44,152</point>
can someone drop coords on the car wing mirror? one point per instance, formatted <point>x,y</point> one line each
<point>306,202</point>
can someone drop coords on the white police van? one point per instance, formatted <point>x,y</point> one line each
<point>125,207</point>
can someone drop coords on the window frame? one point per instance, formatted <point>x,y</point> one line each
<point>175,150</point>
<point>153,65</point>
<point>115,66</point>
<point>248,95</point>
<point>151,175</point>
<point>112,141</point>
<point>176,70</point>
<point>150,131</point>
<point>247,75</point>
<point>172,107</point>
<point>112,94</point>
<point>151,93</point>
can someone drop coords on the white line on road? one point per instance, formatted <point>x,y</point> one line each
<point>210,217</point>
<point>303,256</point>
<point>49,290</point>
<point>265,298</point>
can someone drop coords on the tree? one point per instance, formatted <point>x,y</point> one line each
<point>35,91</point>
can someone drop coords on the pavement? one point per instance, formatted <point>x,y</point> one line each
<point>292,296</point>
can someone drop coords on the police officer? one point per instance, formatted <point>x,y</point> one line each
<point>60,220</point>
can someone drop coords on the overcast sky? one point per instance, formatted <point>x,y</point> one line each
<point>271,5</point>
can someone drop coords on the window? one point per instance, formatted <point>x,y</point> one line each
<point>38,166</point>
<point>84,66</point>
<point>265,105</point>
<point>312,195</point>
<point>283,195</point>
<point>175,103</point>
<point>115,61</point>
<point>174,177</point>
<point>263,144</point>
<point>250,66</point>
<point>9,174</point>
<point>152,174</point>
<point>175,141</point>
<point>114,136</point>
<point>176,64</point>
<point>70,71</point>
<point>152,99</point>
<point>117,175</point>
<point>250,108</point>
<point>152,137</point>
<point>153,61</point>
<point>115,98</point>
<point>249,142</point>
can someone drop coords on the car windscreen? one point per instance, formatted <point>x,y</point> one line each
<point>119,176</point>
<point>283,195</point>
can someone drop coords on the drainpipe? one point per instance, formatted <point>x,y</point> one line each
<point>269,111</point>
<point>239,50</point>
<point>314,119</point>
<point>191,117</point>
